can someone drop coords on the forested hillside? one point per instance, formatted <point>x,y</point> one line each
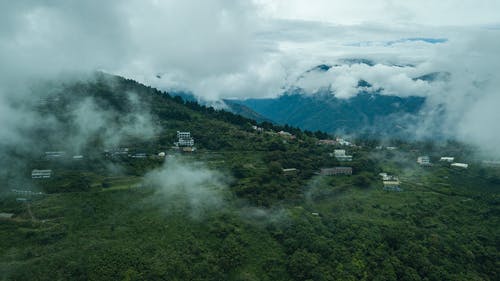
<point>366,113</point>
<point>250,203</point>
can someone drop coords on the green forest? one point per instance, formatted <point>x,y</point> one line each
<point>250,203</point>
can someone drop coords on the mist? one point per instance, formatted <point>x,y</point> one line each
<point>187,187</point>
<point>247,49</point>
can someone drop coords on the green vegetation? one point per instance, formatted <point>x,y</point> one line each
<point>100,220</point>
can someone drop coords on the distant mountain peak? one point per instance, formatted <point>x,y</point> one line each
<point>434,76</point>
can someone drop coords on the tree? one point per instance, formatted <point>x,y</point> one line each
<point>302,263</point>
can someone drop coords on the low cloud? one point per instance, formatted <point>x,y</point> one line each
<point>240,49</point>
<point>187,187</point>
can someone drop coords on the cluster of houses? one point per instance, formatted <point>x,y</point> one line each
<point>336,141</point>
<point>281,133</point>
<point>123,152</point>
<point>386,147</point>
<point>286,135</point>
<point>333,171</point>
<point>257,128</point>
<point>425,161</point>
<point>27,195</point>
<point>58,155</point>
<point>27,192</point>
<point>453,163</point>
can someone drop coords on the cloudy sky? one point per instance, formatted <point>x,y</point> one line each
<point>239,49</point>
<point>223,48</point>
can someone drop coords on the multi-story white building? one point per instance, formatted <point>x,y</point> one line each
<point>184,139</point>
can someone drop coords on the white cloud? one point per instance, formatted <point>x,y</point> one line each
<point>223,48</point>
<point>409,12</point>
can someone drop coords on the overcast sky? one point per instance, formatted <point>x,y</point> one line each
<point>239,49</point>
<point>225,48</point>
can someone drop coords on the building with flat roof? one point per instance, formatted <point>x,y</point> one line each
<point>447,159</point>
<point>50,155</point>
<point>340,155</point>
<point>335,171</point>
<point>41,174</point>
<point>290,171</point>
<point>424,160</point>
<point>327,142</point>
<point>460,165</point>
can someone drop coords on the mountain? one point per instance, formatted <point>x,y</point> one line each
<point>225,104</point>
<point>368,112</point>
<point>245,111</point>
<point>371,113</point>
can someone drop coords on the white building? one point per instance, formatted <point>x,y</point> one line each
<point>340,155</point>
<point>286,134</point>
<point>387,177</point>
<point>460,165</point>
<point>259,129</point>
<point>41,174</point>
<point>447,159</point>
<point>184,139</point>
<point>54,154</point>
<point>342,141</point>
<point>424,160</point>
